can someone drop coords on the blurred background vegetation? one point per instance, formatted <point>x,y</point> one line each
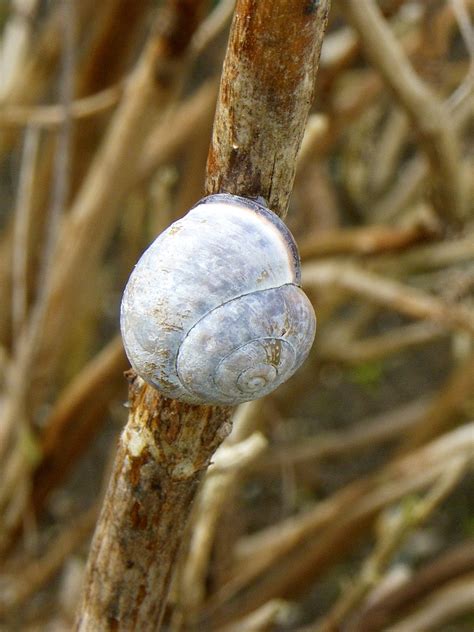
<point>353,508</point>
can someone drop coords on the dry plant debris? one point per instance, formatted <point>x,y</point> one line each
<point>344,500</point>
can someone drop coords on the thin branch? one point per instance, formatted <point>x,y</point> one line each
<point>429,257</point>
<point>241,448</point>
<point>363,241</point>
<point>389,150</point>
<point>29,341</point>
<point>33,77</point>
<point>389,293</point>
<point>466,29</point>
<point>52,116</point>
<point>264,618</point>
<point>377,347</point>
<point>167,138</point>
<point>446,405</point>
<point>368,433</point>
<point>21,230</point>
<point>62,154</point>
<point>218,488</point>
<point>24,362</point>
<point>415,174</point>
<point>448,566</point>
<point>15,42</point>
<point>443,605</point>
<point>78,415</point>
<point>212,26</point>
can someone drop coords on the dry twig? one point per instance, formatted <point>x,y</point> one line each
<point>368,433</point>
<point>52,116</point>
<point>239,450</point>
<point>392,529</point>
<point>443,605</point>
<point>389,293</point>
<point>379,613</point>
<point>165,443</point>
<point>363,241</point>
<point>277,561</point>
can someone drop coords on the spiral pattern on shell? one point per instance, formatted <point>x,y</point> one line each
<point>213,312</point>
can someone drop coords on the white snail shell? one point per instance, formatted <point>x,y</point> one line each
<point>213,312</point>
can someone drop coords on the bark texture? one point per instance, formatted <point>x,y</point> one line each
<point>266,91</point>
<point>164,450</point>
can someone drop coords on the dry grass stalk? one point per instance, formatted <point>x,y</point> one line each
<point>434,256</point>
<point>31,78</point>
<point>389,151</point>
<point>273,612</point>
<point>363,241</point>
<point>167,139</point>
<point>415,173</point>
<point>79,414</point>
<point>446,406</point>
<point>16,40</point>
<point>21,231</point>
<point>32,329</point>
<point>218,487</point>
<point>378,347</point>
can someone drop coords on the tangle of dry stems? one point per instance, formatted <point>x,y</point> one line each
<point>385,163</point>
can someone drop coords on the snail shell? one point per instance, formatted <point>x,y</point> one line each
<point>213,312</point>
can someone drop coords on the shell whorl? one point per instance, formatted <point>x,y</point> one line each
<point>213,312</point>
